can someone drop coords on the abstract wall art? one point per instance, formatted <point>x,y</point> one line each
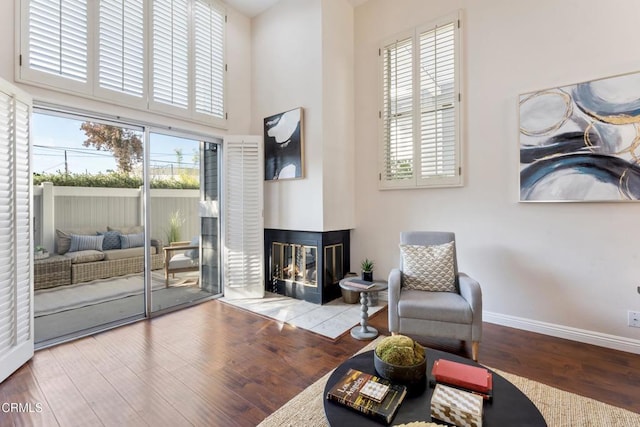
<point>283,145</point>
<point>581,142</point>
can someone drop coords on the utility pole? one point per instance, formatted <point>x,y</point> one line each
<point>66,164</point>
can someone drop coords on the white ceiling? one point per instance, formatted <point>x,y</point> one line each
<point>253,8</point>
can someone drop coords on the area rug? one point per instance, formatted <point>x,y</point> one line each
<point>70,297</point>
<point>559,408</point>
<point>331,320</point>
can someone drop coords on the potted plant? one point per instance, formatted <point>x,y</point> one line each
<point>40,252</point>
<point>367,269</point>
<point>175,226</point>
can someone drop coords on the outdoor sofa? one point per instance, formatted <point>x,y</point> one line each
<point>97,253</point>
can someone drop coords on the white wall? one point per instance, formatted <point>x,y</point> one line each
<point>338,115</point>
<point>238,78</point>
<point>286,74</point>
<point>563,269</point>
<point>303,57</point>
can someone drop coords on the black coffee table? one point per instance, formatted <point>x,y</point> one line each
<point>509,406</point>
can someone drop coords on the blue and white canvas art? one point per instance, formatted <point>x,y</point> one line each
<point>283,145</point>
<point>581,142</point>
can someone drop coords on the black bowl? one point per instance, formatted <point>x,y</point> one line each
<point>415,374</point>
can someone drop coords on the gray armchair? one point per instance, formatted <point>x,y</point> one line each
<point>456,315</point>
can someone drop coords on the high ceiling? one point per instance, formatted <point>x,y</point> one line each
<point>253,8</point>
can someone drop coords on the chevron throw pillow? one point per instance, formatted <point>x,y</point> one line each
<point>428,268</point>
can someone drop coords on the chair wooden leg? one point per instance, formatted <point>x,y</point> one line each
<point>475,347</point>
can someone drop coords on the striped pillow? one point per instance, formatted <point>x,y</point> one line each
<point>131,240</point>
<point>85,243</point>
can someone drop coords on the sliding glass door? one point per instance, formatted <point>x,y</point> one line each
<point>89,253</point>
<point>125,223</point>
<point>183,206</point>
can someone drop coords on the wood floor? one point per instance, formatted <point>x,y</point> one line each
<point>216,365</point>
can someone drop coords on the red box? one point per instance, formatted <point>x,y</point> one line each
<point>472,378</point>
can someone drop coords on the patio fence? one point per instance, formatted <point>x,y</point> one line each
<point>70,208</point>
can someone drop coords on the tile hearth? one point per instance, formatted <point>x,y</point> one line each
<point>330,320</point>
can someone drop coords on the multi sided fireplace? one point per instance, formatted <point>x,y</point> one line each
<point>306,265</point>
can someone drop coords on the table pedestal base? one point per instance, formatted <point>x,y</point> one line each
<point>368,333</point>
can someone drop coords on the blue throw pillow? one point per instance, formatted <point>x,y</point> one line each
<point>85,243</point>
<point>193,253</point>
<point>111,240</point>
<point>131,240</point>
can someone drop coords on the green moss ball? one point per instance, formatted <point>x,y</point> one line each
<point>400,350</point>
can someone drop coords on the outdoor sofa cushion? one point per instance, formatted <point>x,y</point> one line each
<point>126,253</point>
<point>134,229</point>
<point>63,237</point>
<point>81,242</point>
<point>131,240</point>
<point>111,240</point>
<point>79,257</point>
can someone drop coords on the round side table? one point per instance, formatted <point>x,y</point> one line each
<point>363,331</point>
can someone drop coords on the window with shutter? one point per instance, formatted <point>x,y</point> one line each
<point>57,43</point>
<point>209,59</point>
<point>16,308</point>
<point>420,113</point>
<point>165,56</point>
<point>398,114</point>
<point>121,47</point>
<point>170,40</point>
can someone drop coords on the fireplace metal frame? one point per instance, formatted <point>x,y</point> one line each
<point>332,262</point>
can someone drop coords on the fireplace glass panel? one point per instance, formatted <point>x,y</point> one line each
<point>333,264</point>
<point>295,263</point>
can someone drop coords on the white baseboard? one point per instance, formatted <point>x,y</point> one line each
<point>566,332</point>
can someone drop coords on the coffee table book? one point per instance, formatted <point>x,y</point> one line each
<point>359,283</point>
<point>346,392</point>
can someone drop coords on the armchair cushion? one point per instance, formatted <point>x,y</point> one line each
<point>429,268</point>
<point>446,307</point>
<point>193,253</point>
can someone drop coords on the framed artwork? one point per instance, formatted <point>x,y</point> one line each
<point>283,146</point>
<point>581,143</point>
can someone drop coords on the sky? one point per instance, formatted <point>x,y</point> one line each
<point>53,136</point>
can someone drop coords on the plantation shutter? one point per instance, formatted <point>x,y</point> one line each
<point>397,116</point>
<point>170,53</point>
<point>420,107</point>
<point>121,46</point>
<point>438,104</point>
<point>243,221</point>
<point>56,42</point>
<point>16,306</point>
<point>209,59</point>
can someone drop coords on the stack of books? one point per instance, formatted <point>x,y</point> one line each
<point>473,379</point>
<point>368,394</point>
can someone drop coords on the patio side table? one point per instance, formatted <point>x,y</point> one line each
<point>51,272</point>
